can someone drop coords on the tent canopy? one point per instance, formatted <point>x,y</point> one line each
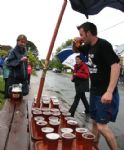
<point>92,7</point>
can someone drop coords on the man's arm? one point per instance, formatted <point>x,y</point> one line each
<point>115,72</point>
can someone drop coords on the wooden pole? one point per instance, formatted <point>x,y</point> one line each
<point>42,80</point>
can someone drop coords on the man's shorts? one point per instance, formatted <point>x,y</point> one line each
<point>103,113</point>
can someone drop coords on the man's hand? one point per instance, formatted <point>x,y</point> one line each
<point>24,58</point>
<point>106,98</point>
<point>77,41</point>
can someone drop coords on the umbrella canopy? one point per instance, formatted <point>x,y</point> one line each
<point>67,57</point>
<point>92,7</point>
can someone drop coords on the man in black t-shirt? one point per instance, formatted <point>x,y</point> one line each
<point>104,73</point>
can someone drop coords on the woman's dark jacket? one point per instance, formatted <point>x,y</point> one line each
<point>81,79</point>
<point>18,69</point>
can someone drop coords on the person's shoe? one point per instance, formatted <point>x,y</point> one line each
<point>85,112</point>
<point>72,114</point>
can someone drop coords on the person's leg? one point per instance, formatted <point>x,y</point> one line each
<point>29,79</point>
<point>75,104</point>
<point>95,131</point>
<point>108,135</point>
<point>85,102</point>
<point>104,114</point>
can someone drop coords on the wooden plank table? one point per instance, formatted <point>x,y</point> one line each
<point>13,126</point>
<point>18,133</point>
<point>31,141</point>
<point>6,115</point>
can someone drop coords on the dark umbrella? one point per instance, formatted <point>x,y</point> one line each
<point>92,7</point>
<point>87,7</point>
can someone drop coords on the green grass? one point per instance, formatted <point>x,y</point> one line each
<point>1,92</point>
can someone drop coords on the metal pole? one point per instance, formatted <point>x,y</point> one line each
<point>42,80</point>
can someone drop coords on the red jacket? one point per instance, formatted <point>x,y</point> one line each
<point>81,71</point>
<point>29,69</point>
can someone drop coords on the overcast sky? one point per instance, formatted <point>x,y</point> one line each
<point>37,19</point>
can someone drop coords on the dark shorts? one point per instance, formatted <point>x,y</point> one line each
<point>103,113</point>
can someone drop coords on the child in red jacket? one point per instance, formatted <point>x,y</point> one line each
<point>81,79</point>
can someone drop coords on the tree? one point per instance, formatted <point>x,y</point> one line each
<point>3,53</point>
<point>32,53</point>
<point>32,47</point>
<point>55,61</point>
<point>4,49</point>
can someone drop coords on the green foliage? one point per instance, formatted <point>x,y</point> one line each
<point>3,53</point>
<point>33,55</point>
<point>56,62</point>
<point>33,59</point>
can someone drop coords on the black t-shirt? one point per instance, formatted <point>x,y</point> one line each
<point>100,58</point>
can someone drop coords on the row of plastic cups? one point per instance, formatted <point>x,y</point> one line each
<point>45,98</point>
<point>54,116</point>
<point>52,140</point>
<point>85,137</point>
<point>82,134</point>
<point>64,112</point>
<point>44,109</point>
<point>41,118</point>
<point>50,104</point>
<point>46,130</point>
<point>65,116</point>
<point>53,122</point>
<point>52,110</point>
<point>46,114</point>
<point>56,123</point>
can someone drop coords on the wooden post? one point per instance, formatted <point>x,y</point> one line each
<point>42,80</point>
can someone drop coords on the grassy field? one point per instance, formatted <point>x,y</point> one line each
<point>1,92</point>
